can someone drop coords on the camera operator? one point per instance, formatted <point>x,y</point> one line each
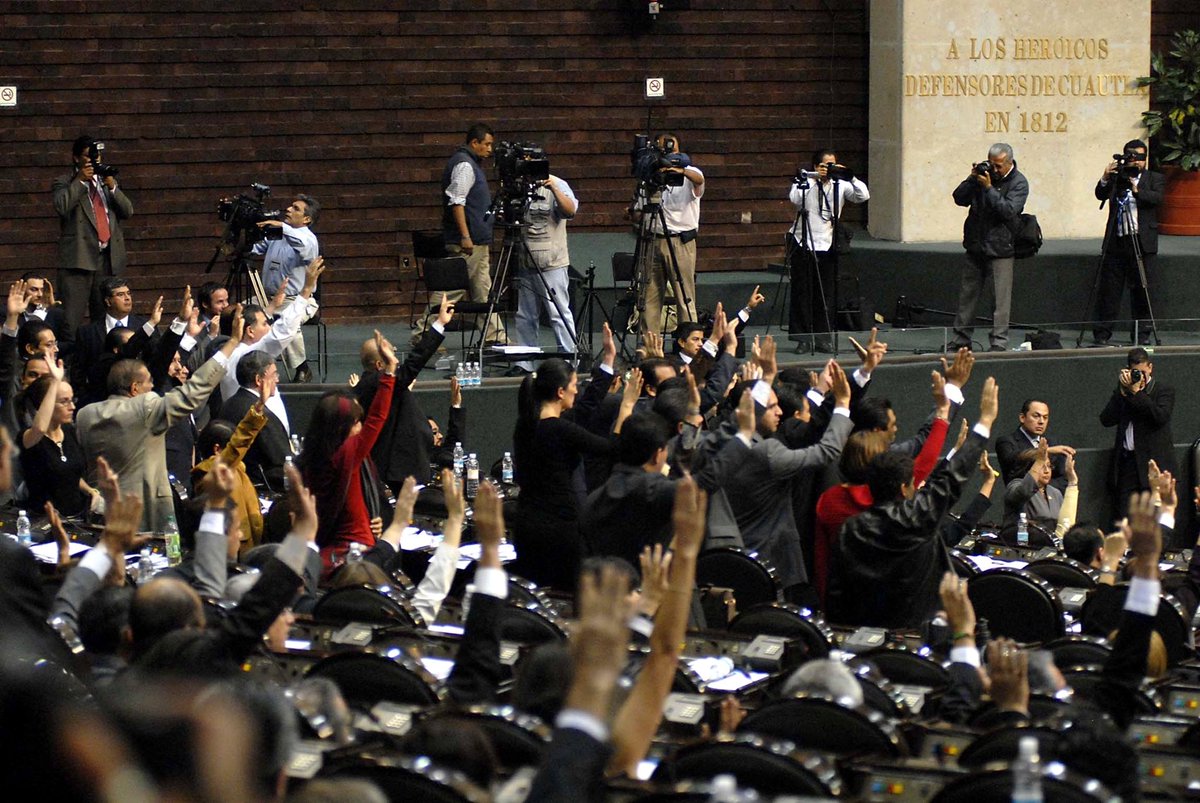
<point>819,200</point>
<point>1140,408</point>
<point>681,210</point>
<point>467,222</point>
<point>995,193</point>
<point>284,262</point>
<point>546,236</point>
<point>1132,187</point>
<point>91,246</point>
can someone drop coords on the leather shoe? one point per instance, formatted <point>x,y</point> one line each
<point>302,374</point>
<point>997,348</point>
<point>955,345</point>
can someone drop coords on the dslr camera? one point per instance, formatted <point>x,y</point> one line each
<point>648,162</point>
<point>1136,375</point>
<point>838,172</point>
<point>243,213</point>
<point>95,154</point>
<point>521,167</point>
<point>984,168</point>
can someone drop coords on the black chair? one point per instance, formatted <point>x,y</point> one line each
<point>769,766</point>
<point>519,739</point>
<point>1077,650</point>
<point>366,678</point>
<point>530,624</point>
<point>752,578</point>
<point>1087,681</point>
<point>450,274</point>
<point>1002,745</point>
<point>1017,604</point>
<point>404,778</point>
<point>820,723</point>
<point>1101,615</point>
<point>962,565</point>
<point>381,605</point>
<point>995,786</point>
<point>523,592</point>
<point>1063,572</point>
<point>789,621</point>
<point>909,667</point>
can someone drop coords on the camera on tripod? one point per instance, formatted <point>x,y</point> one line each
<point>243,214</point>
<point>1127,163</point>
<point>95,152</point>
<point>648,162</point>
<point>521,167</point>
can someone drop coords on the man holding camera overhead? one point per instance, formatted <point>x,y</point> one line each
<point>91,247</point>
<point>285,259</point>
<point>995,193</point>
<point>818,196</point>
<point>1133,193</point>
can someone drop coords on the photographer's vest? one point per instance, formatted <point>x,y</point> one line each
<point>478,200</point>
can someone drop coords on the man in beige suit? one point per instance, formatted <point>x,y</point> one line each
<point>128,427</point>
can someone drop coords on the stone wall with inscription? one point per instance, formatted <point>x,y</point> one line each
<point>1056,80</point>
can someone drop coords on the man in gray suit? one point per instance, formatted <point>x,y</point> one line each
<point>128,427</point>
<point>90,243</point>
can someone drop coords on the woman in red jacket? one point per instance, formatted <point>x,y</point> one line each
<point>336,462</point>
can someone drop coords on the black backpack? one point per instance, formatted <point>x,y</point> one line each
<point>1027,236</point>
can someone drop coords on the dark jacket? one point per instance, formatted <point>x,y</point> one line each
<point>988,229</point>
<point>1010,446</point>
<point>1150,413</point>
<point>266,455</point>
<point>1151,186</point>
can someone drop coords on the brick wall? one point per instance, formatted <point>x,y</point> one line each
<point>359,105</point>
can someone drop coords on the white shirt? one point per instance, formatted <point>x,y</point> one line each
<point>282,332</point>
<point>681,206</point>
<point>817,201</point>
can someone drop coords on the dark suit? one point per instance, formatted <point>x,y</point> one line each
<point>266,455</point>
<point>477,672</point>
<point>81,262</point>
<point>572,769</point>
<point>1120,267</point>
<point>1009,448</point>
<point>89,348</point>
<point>1150,414</point>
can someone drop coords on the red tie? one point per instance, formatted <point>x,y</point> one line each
<point>101,215</point>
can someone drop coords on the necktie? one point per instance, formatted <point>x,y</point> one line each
<point>101,215</point>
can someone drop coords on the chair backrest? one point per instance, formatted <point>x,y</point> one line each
<point>622,267</point>
<point>1001,744</point>
<point>752,579</point>
<point>405,778</point>
<point>447,273</point>
<point>1088,681</point>
<point>769,766</point>
<point>789,621</point>
<point>1063,572</point>
<point>908,667</point>
<point>1101,614</point>
<point>519,739</point>
<point>820,723</point>
<point>429,244</point>
<point>1076,650</point>
<point>530,623</point>
<point>996,786</point>
<point>368,604</point>
<point>1017,604</point>
<point>366,678</point>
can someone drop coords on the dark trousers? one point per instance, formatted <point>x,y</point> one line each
<point>1129,480</point>
<point>549,549</point>
<point>814,291</point>
<point>1119,269</point>
<point>79,291</point>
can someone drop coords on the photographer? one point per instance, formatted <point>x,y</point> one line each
<point>546,237</point>
<point>284,261</point>
<point>995,193</point>
<point>818,197</point>
<point>1131,188</point>
<point>1140,408</point>
<point>467,222</point>
<point>681,210</point>
<point>91,247</point>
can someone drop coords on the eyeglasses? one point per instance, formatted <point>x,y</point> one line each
<point>66,402</point>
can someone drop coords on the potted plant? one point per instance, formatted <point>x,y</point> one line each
<point>1175,125</point>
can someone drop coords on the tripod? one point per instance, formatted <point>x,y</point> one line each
<point>241,282</point>
<point>649,198</point>
<point>585,320</point>
<point>1122,219</point>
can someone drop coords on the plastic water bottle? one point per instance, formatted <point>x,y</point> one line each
<point>24,529</point>
<point>355,553</point>
<point>477,376</point>
<point>145,567</point>
<point>171,534</point>
<point>472,485</point>
<point>460,373</point>
<point>724,789</point>
<point>506,469</point>
<point>460,458</point>
<point>297,443</point>
<point>288,462</point>
<point>1022,530</point>
<point>1027,772</point>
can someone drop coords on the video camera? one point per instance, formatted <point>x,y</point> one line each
<point>243,214</point>
<point>95,153</point>
<point>521,167</point>
<point>1126,164</point>
<point>648,162</point>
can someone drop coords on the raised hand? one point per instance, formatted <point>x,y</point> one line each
<point>18,300</point>
<point>656,568</point>
<point>237,325</point>
<point>766,357</point>
<point>839,383</point>
<point>756,298</point>
<point>652,342</point>
<point>876,349</point>
<point>633,389</point>
<point>608,353</point>
<point>1145,536</point>
<point>1008,667</point>
<point>121,520</point>
<point>1069,469</point>
<point>959,371</point>
<point>688,517</point>
<point>311,274</point>
<point>600,642</point>
<point>445,312</point>
<point>989,402</point>
<point>353,379</point>
<point>937,386</point>
<point>156,312</point>
<point>187,306</point>
<point>386,353</point>
<point>745,415</point>
<point>61,540</point>
<point>108,481</point>
<point>963,429</point>
<point>456,396</point>
<point>302,504</point>
<point>455,496</point>
<point>960,613</point>
<point>489,524</point>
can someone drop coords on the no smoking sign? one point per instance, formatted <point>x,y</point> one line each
<point>8,96</point>
<point>655,87</point>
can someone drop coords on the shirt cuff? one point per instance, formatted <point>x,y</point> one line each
<point>982,429</point>
<point>641,625</point>
<point>744,439</point>
<point>862,377</point>
<point>842,411</point>
<point>148,328</point>
<point>582,721</point>
<point>815,396</point>
<point>437,327</point>
<point>177,326</point>
<point>1167,520</point>
<point>608,369</point>
<point>187,343</point>
<point>965,655</point>
<point>761,393</point>
<point>710,348</point>
<point>1143,596</point>
<point>744,314</point>
<point>220,359</point>
<point>97,560</point>
<point>954,393</point>
<point>491,581</point>
<point>7,331</point>
<point>213,521</point>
